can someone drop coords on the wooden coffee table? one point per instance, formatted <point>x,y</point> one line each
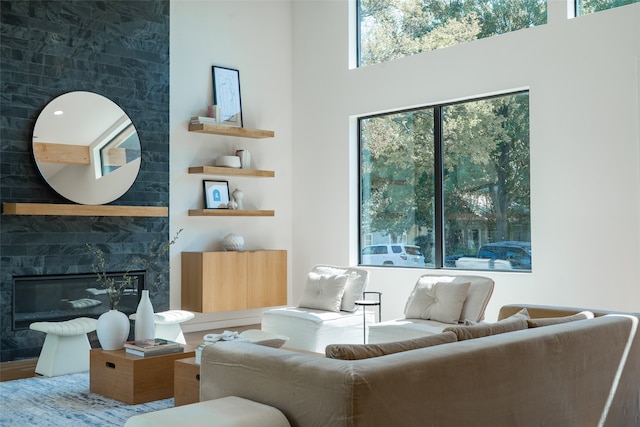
<point>133,379</point>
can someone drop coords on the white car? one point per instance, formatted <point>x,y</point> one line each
<point>393,254</point>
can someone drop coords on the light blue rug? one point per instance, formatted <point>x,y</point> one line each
<point>64,401</point>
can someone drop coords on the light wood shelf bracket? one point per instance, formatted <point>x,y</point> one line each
<point>230,212</point>
<point>217,170</point>
<point>230,130</point>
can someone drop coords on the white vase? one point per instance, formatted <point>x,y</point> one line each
<point>237,197</point>
<point>145,327</point>
<point>112,329</point>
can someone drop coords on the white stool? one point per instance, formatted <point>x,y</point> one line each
<point>66,346</point>
<point>168,324</point>
<point>231,411</point>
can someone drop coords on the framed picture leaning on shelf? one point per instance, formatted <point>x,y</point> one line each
<point>216,194</point>
<point>226,95</point>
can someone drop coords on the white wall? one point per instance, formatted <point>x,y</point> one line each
<point>255,38</point>
<point>583,80</point>
<point>294,66</point>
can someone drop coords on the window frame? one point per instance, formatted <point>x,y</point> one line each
<point>438,158</point>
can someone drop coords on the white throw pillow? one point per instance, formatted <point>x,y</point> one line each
<point>437,301</point>
<point>357,279</point>
<point>323,292</point>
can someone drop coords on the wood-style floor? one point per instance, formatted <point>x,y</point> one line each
<point>26,368</point>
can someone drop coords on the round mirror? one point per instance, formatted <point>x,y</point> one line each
<point>86,148</point>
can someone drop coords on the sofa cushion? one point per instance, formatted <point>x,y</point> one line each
<point>323,292</point>
<point>366,351</point>
<point>547,321</point>
<point>441,301</point>
<point>357,279</point>
<point>478,330</point>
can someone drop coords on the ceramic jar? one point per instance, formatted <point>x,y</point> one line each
<point>233,242</point>
<point>112,329</point>
<point>237,197</point>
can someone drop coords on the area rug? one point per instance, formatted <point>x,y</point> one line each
<point>64,401</point>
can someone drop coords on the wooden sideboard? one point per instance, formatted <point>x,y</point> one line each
<point>233,280</point>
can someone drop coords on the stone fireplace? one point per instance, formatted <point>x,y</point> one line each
<point>129,66</point>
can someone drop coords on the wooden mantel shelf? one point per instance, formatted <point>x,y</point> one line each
<point>230,212</point>
<point>82,210</point>
<point>230,130</point>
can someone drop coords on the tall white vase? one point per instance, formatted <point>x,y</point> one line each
<point>112,329</point>
<point>145,327</point>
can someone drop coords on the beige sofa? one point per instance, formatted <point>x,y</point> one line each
<point>582,373</point>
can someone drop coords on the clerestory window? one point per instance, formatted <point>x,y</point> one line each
<point>585,7</point>
<point>448,184</point>
<point>391,29</point>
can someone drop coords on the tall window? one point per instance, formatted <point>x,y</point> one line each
<point>447,186</point>
<point>390,29</point>
<point>585,7</point>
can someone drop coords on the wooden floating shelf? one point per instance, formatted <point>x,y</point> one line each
<point>230,212</point>
<point>230,130</point>
<point>217,170</point>
<point>82,210</point>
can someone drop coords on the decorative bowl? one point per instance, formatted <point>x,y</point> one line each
<point>228,161</point>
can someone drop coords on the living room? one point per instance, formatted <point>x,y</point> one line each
<point>582,74</point>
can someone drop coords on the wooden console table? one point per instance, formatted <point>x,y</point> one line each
<point>233,280</point>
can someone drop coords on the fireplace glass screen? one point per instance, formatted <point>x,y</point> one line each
<point>64,297</point>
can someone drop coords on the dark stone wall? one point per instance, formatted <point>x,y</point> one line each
<point>118,49</point>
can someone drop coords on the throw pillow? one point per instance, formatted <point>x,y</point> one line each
<point>366,351</point>
<point>522,314</point>
<point>534,323</point>
<point>323,292</point>
<point>516,322</point>
<point>478,298</point>
<point>437,301</point>
<point>356,282</point>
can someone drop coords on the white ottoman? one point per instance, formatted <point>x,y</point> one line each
<point>228,411</point>
<point>168,324</point>
<point>66,346</point>
<point>313,330</point>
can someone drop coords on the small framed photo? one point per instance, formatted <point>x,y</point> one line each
<point>226,95</point>
<point>216,194</point>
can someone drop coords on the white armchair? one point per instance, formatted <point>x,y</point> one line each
<point>326,313</point>
<point>437,301</point>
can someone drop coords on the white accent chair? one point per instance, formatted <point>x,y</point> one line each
<point>311,326</point>
<point>410,327</point>
<point>66,346</point>
<point>167,324</point>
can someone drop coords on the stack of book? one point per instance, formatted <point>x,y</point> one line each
<point>196,120</point>
<point>152,347</point>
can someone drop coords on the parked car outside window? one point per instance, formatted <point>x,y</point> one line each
<point>517,253</point>
<point>395,254</point>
